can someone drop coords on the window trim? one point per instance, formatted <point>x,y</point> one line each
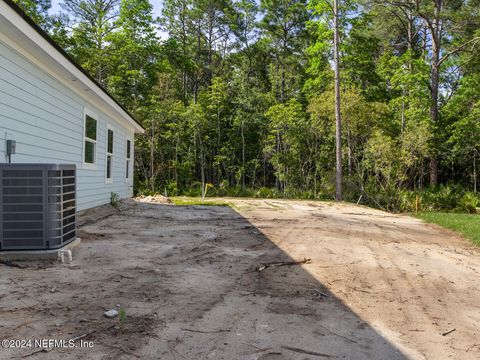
<point>128,160</point>
<point>94,116</point>
<point>107,154</point>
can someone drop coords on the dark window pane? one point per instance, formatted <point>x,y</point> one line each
<point>89,152</point>
<point>90,128</point>
<point>109,167</point>
<point>127,173</point>
<point>128,149</point>
<point>110,141</point>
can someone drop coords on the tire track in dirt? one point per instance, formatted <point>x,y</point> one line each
<point>414,281</point>
<point>187,281</point>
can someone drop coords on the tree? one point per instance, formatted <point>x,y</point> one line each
<point>284,23</point>
<point>244,26</point>
<point>134,54</point>
<point>37,10</point>
<point>287,126</point>
<point>257,97</point>
<point>199,127</point>
<point>330,25</point>
<point>91,24</point>
<point>216,97</point>
<point>338,116</point>
<point>463,111</point>
<point>443,38</point>
<point>177,21</point>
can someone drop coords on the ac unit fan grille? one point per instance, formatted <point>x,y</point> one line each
<point>38,206</point>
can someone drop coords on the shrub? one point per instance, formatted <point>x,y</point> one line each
<point>171,188</point>
<point>266,193</point>
<point>469,203</point>
<point>114,198</point>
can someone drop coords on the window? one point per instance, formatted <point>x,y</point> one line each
<point>90,141</point>
<point>109,154</point>
<point>127,162</point>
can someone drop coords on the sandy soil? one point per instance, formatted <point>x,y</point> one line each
<point>379,286</point>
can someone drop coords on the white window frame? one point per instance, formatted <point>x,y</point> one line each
<point>107,154</point>
<point>93,115</point>
<point>128,160</point>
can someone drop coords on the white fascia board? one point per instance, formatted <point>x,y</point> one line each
<point>50,59</point>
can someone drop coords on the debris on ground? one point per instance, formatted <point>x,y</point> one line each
<point>283,263</point>
<point>207,331</point>
<point>306,352</point>
<point>111,313</point>
<point>448,332</point>
<point>45,350</point>
<point>318,293</point>
<point>154,199</point>
<point>82,336</point>
<point>13,264</point>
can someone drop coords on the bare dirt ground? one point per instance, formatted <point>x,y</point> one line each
<point>379,286</point>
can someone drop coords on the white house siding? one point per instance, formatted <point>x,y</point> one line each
<point>47,121</point>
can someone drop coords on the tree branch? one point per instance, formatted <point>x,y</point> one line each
<point>475,41</point>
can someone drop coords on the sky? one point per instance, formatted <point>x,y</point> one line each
<point>157,7</point>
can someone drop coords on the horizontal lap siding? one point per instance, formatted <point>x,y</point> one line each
<point>45,118</point>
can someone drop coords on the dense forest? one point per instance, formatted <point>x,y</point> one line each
<point>237,96</point>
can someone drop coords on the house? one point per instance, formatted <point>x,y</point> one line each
<point>55,112</point>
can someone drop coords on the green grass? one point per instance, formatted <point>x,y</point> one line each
<point>466,224</point>
<point>182,200</point>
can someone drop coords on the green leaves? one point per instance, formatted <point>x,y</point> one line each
<point>239,93</point>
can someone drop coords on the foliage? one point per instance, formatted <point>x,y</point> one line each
<point>37,10</point>
<point>122,316</point>
<point>451,198</point>
<point>239,94</point>
<point>114,199</point>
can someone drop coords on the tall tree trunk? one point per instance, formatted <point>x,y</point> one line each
<point>202,169</point>
<point>219,145</point>
<point>284,55</point>
<point>349,145</point>
<point>435,29</point>
<point>152,140</point>
<point>421,175</point>
<point>176,162</point>
<point>210,46</point>
<point>184,66</point>
<point>474,170</point>
<point>434,119</point>
<point>410,29</point>
<point>278,183</point>
<point>197,76</point>
<point>243,155</point>
<point>338,119</point>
